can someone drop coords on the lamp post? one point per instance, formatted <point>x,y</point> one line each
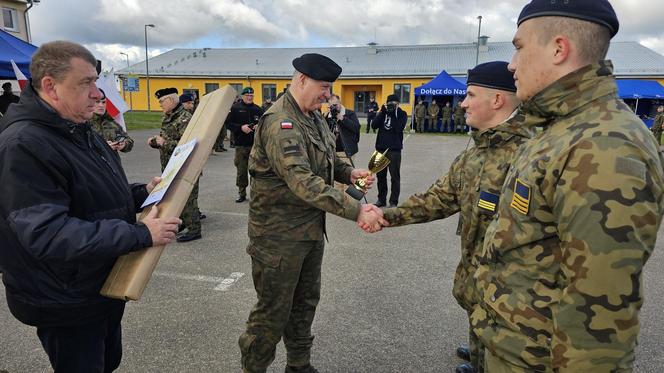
<point>131,103</point>
<point>479,29</point>
<point>147,68</point>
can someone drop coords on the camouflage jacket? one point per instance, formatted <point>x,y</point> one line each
<point>459,111</point>
<point>420,110</point>
<point>110,130</point>
<point>293,165</point>
<point>173,125</point>
<point>560,276</point>
<point>447,112</point>
<point>471,186</point>
<point>433,109</point>
<point>658,123</point>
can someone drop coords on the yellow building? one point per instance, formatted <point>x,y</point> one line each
<point>368,71</point>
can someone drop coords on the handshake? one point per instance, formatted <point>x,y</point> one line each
<point>371,219</point>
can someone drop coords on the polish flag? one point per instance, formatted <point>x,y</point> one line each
<point>115,105</point>
<point>22,80</point>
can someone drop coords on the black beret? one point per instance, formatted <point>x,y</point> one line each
<point>166,91</point>
<point>318,67</point>
<point>595,11</point>
<point>186,97</point>
<point>248,90</point>
<point>391,98</point>
<point>492,75</point>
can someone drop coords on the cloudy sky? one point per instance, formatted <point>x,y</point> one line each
<point>108,27</point>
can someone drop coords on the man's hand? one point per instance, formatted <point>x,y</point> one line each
<point>371,219</point>
<point>152,184</point>
<point>116,145</point>
<point>149,142</point>
<point>358,173</point>
<point>246,128</point>
<point>160,141</point>
<point>162,230</point>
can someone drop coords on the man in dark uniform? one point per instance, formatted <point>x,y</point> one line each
<point>372,110</point>
<point>293,166</point>
<point>242,121</point>
<point>7,97</point>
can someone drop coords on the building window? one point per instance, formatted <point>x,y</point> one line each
<point>403,92</point>
<point>269,91</point>
<point>211,87</point>
<point>10,19</point>
<point>237,87</point>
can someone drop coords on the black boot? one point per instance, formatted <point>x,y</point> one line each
<point>464,368</point>
<point>305,369</point>
<point>463,352</point>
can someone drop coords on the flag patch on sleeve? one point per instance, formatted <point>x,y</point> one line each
<point>286,125</point>
<point>521,197</point>
<point>488,201</point>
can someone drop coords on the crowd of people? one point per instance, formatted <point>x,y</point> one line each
<point>560,201</point>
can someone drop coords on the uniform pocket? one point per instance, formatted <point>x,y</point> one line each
<point>261,255</point>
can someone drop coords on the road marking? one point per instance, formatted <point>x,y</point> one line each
<point>223,284</point>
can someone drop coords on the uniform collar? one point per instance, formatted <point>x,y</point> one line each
<point>518,124</point>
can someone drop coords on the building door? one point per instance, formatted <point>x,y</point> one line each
<point>362,99</point>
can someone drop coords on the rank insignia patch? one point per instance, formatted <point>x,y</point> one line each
<point>488,201</point>
<point>521,197</point>
<point>286,125</point>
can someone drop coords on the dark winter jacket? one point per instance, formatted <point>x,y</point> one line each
<point>67,214</point>
<point>390,129</point>
<point>240,115</point>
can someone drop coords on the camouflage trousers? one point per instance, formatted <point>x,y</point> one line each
<point>242,165</point>
<point>447,125</point>
<point>419,124</point>
<point>459,123</point>
<point>494,364</point>
<point>657,132</point>
<point>191,215</point>
<point>219,143</point>
<point>476,350</point>
<point>286,277</point>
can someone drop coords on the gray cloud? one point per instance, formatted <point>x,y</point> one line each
<point>110,26</point>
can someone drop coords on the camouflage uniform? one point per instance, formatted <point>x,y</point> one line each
<point>447,118</point>
<point>433,111</point>
<point>110,130</point>
<point>172,129</point>
<point>293,166</point>
<point>459,118</point>
<point>472,187</point>
<point>560,277</point>
<point>657,127</point>
<point>420,114</point>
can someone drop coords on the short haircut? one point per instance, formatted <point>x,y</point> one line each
<point>54,59</point>
<point>591,39</point>
<point>334,95</point>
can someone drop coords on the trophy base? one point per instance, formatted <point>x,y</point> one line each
<point>354,192</point>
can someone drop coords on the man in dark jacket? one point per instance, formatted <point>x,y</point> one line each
<point>372,109</point>
<point>242,121</point>
<point>68,213</point>
<point>390,122</point>
<point>346,128</point>
<point>7,98</point>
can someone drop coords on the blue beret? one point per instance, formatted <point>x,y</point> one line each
<point>165,91</point>
<point>248,90</point>
<point>595,11</point>
<point>186,97</point>
<point>493,75</point>
<point>318,67</point>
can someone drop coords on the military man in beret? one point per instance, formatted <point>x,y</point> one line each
<point>658,125</point>
<point>420,114</point>
<point>473,182</point>
<point>242,121</point>
<point>447,118</point>
<point>459,116</point>
<point>173,124</point>
<point>433,111</point>
<point>560,277</point>
<point>293,168</point>
<point>102,123</point>
<point>187,101</point>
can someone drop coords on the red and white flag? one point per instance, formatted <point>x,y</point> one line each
<point>115,105</point>
<point>22,80</point>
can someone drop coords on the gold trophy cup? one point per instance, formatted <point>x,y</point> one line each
<point>377,163</point>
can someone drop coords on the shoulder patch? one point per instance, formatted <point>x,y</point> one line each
<point>521,197</point>
<point>488,201</point>
<point>286,125</point>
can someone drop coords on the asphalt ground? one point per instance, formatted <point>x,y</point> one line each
<point>386,298</point>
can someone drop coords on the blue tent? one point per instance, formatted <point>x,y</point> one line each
<point>442,85</point>
<point>640,89</point>
<point>13,48</point>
